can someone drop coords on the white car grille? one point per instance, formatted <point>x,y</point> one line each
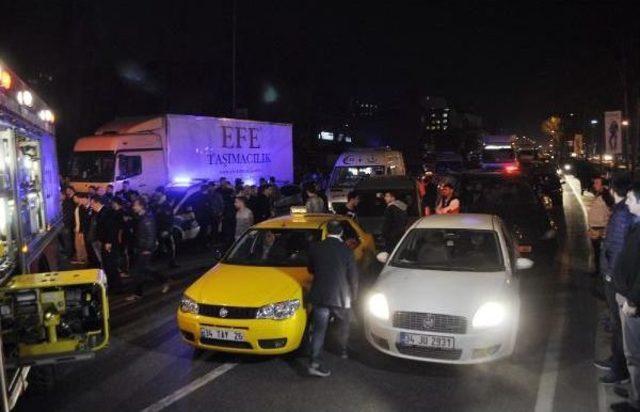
<point>430,322</point>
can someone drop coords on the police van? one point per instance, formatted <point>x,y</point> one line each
<point>356,165</point>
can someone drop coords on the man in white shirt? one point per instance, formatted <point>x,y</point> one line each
<point>449,203</point>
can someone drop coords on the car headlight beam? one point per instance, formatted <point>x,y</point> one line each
<point>279,310</point>
<point>489,315</point>
<point>378,306</point>
<point>188,305</point>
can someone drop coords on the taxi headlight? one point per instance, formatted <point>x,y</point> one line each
<point>279,310</point>
<point>489,315</point>
<point>378,306</point>
<point>188,305</point>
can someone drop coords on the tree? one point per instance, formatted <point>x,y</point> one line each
<point>552,127</point>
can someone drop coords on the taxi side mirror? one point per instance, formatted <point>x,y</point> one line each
<point>382,257</point>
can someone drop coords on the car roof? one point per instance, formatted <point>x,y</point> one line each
<point>477,221</point>
<point>300,221</point>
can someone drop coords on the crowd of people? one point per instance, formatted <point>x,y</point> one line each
<point>613,218</point>
<point>122,231</point>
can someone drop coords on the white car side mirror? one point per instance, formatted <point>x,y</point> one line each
<point>382,257</point>
<point>524,264</point>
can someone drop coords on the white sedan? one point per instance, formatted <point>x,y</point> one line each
<point>449,292</point>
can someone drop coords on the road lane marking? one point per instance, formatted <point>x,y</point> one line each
<point>190,388</point>
<point>551,365</point>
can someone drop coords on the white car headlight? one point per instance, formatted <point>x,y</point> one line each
<point>188,305</point>
<point>279,310</point>
<point>378,306</point>
<point>489,315</point>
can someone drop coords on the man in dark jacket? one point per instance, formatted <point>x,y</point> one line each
<point>127,193</point>
<point>145,238</point>
<point>350,208</point>
<point>334,288</point>
<point>395,221</point>
<point>262,205</point>
<point>619,222</point>
<point>216,207</point>
<point>626,279</point>
<point>68,220</point>
<point>202,212</point>
<point>107,236</point>
<point>163,211</point>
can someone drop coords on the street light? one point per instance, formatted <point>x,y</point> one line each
<point>594,121</point>
<point>625,123</point>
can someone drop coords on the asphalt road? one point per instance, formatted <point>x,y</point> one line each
<point>147,365</point>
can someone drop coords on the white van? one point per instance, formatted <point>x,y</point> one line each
<point>355,165</point>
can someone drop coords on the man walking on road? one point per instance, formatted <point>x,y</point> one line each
<point>107,238</point>
<point>619,222</point>
<point>395,221</point>
<point>145,238</point>
<point>335,286</point>
<point>626,278</point>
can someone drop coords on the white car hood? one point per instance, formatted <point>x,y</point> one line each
<point>430,291</point>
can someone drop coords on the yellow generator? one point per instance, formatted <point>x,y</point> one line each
<point>54,317</point>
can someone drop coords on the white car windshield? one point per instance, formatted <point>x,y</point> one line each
<point>451,250</point>
<point>273,247</point>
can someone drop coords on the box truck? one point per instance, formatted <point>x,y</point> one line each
<point>157,150</point>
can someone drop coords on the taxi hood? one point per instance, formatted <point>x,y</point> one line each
<point>247,286</point>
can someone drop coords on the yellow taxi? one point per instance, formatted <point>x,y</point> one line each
<point>252,301</point>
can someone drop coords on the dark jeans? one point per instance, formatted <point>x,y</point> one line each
<point>169,245</point>
<point>596,244</point>
<point>143,271</point>
<point>618,360</point>
<point>92,258</point>
<point>110,267</point>
<point>320,323</point>
<point>68,242</point>
<point>203,234</point>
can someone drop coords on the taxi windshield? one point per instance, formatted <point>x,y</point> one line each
<point>463,250</point>
<point>273,247</point>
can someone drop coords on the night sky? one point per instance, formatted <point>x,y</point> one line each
<point>297,60</point>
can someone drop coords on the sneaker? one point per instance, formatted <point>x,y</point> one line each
<point>165,288</point>
<point>612,379</point>
<point>604,365</point>
<point>133,298</point>
<point>621,392</point>
<point>315,369</point>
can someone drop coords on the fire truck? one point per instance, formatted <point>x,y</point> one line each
<point>47,316</point>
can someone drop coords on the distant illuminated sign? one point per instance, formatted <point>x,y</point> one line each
<point>326,136</point>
